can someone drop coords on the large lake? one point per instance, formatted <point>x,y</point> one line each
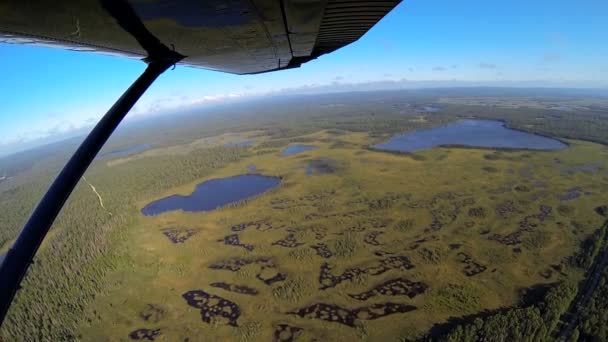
<point>213,194</point>
<point>474,133</point>
<point>293,149</point>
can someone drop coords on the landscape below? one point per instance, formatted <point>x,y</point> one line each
<point>286,226</point>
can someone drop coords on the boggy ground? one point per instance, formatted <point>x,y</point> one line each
<point>374,246</point>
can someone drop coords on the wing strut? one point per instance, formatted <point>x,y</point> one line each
<point>21,254</point>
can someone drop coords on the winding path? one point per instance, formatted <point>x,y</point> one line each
<point>98,195</point>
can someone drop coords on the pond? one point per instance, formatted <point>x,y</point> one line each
<point>213,194</point>
<point>321,166</point>
<point>293,149</point>
<point>427,109</point>
<point>473,133</point>
<point>124,151</point>
<point>240,143</point>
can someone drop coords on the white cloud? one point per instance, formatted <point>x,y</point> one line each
<point>215,98</point>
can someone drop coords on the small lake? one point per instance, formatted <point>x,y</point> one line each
<point>427,109</point>
<point>293,149</point>
<point>124,151</point>
<point>473,133</point>
<point>213,194</point>
<point>239,143</point>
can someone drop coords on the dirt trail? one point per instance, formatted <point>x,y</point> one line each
<point>98,195</point>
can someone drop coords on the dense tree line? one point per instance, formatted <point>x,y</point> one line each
<point>541,321</point>
<point>532,323</point>
<point>69,269</point>
<point>589,249</point>
<point>593,322</point>
<point>593,325</point>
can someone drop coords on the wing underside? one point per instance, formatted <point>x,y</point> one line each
<point>235,36</point>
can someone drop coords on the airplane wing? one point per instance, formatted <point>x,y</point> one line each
<point>235,36</point>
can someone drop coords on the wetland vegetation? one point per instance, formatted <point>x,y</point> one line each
<point>340,242</point>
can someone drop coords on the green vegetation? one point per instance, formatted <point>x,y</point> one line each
<point>464,230</point>
<point>532,323</point>
<point>405,225</point>
<point>432,255</point>
<point>249,331</point>
<point>537,240</point>
<point>589,249</point>
<point>594,320</point>
<point>292,290</point>
<point>302,254</point>
<point>453,298</point>
<point>345,246</point>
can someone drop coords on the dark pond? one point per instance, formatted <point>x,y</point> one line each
<point>572,193</point>
<point>124,151</point>
<point>213,194</point>
<point>321,166</point>
<point>585,168</point>
<point>474,133</point>
<point>293,149</point>
<point>240,143</point>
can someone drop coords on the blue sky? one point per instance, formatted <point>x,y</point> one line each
<point>48,92</point>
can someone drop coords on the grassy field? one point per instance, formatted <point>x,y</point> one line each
<point>371,245</point>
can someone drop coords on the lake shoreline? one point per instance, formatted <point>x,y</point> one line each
<point>417,139</point>
<point>200,201</point>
